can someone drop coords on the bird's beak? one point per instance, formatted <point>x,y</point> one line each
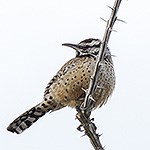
<point>74,46</point>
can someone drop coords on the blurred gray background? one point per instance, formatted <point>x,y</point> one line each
<point>31,34</point>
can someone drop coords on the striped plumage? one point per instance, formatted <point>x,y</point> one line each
<point>66,87</point>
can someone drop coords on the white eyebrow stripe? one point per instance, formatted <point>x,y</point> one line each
<point>89,43</point>
<point>93,42</point>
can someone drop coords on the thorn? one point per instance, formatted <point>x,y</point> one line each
<point>113,30</point>
<point>84,90</point>
<point>99,135</point>
<point>122,21</point>
<point>110,7</point>
<point>76,117</point>
<point>92,119</point>
<point>93,55</point>
<point>113,55</point>
<point>95,128</point>
<point>103,19</point>
<point>91,98</point>
<point>79,128</point>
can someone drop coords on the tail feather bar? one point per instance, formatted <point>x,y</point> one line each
<point>25,120</point>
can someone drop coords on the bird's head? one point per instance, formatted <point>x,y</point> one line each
<point>87,47</point>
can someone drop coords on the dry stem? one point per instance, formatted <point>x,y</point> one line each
<point>83,114</point>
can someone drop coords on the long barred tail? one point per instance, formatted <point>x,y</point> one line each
<point>25,120</point>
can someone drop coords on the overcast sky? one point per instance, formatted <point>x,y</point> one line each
<point>31,34</point>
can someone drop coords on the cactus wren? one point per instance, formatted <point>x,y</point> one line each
<point>66,87</point>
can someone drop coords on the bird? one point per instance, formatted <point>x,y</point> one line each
<point>67,87</point>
